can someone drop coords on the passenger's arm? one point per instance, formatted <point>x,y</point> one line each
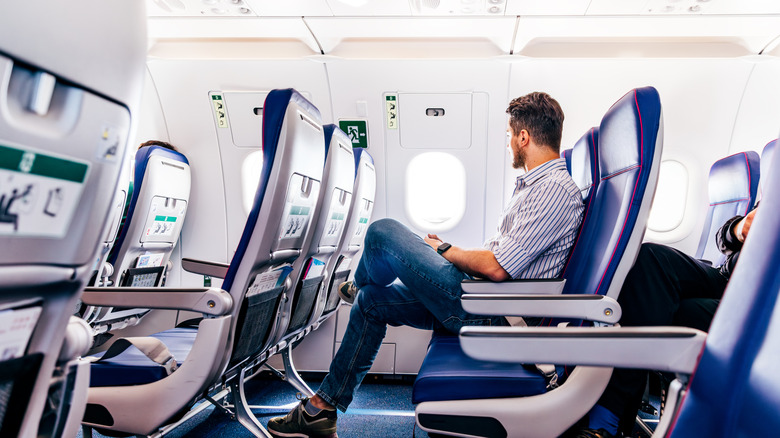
<point>731,235</point>
<point>475,262</point>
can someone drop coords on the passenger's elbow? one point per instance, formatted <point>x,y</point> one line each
<point>498,274</point>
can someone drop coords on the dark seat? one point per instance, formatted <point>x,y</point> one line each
<point>447,373</point>
<point>629,146</point>
<point>239,322</point>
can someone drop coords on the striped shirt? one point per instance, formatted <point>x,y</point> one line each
<point>540,223</point>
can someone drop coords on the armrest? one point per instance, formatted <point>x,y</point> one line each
<point>209,301</point>
<point>591,307</point>
<point>536,286</point>
<point>212,269</point>
<point>674,349</point>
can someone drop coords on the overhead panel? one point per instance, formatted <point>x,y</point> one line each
<point>198,8</point>
<point>297,8</point>
<point>458,7</point>
<point>681,7</point>
<point>417,37</point>
<point>644,36</point>
<point>558,7</point>
<point>231,37</point>
<point>369,8</point>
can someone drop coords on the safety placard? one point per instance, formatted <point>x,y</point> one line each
<point>268,280</point>
<point>391,106</point>
<point>357,131</point>
<point>219,110</point>
<point>16,327</point>
<point>39,193</point>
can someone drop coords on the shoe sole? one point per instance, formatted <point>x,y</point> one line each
<point>347,298</point>
<point>300,435</point>
<point>350,299</point>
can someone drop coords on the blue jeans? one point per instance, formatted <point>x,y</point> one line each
<point>402,281</point>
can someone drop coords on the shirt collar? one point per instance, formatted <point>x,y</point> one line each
<point>541,170</point>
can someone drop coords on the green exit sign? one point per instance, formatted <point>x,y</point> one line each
<point>357,131</point>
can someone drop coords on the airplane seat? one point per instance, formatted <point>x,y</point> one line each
<point>331,214</point>
<point>766,157</point>
<point>629,146</point>
<point>732,187</point>
<point>150,229</point>
<point>438,381</point>
<point>351,243</point>
<point>239,320</point>
<point>65,122</point>
<point>726,381</point>
<point>309,274</point>
<point>741,349</point>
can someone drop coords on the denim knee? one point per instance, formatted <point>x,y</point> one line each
<point>364,301</point>
<point>383,230</point>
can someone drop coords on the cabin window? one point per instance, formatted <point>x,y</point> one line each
<point>435,191</point>
<point>250,177</point>
<point>671,195</point>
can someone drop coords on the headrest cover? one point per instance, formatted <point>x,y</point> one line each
<point>734,178</point>
<point>332,130</point>
<point>581,163</point>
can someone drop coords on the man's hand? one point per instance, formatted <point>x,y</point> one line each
<point>743,226</point>
<point>433,240</point>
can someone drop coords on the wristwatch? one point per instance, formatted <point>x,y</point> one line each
<point>443,247</point>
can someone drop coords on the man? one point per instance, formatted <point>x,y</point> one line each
<point>664,287</point>
<point>407,280</point>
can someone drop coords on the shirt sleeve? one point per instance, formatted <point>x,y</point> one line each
<point>541,219</point>
<point>727,243</point>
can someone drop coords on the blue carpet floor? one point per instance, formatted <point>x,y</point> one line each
<point>381,409</point>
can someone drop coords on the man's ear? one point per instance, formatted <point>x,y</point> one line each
<point>524,137</point>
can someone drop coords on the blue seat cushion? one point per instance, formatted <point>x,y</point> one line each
<point>132,367</point>
<point>448,374</point>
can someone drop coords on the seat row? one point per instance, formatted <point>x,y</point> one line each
<point>63,143</point>
<point>314,199</point>
<point>480,384</point>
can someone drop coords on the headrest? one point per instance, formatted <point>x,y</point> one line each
<point>628,142</point>
<point>734,178</point>
<point>566,155</point>
<point>766,157</point>
<point>581,163</point>
<point>143,155</point>
<point>621,148</point>
<point>330,131</point>
<point>360,152</point>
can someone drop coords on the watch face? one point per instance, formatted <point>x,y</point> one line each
<point>443,247</point>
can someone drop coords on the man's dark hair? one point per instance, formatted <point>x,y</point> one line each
<point>158,143</point>
<point>540,115</point>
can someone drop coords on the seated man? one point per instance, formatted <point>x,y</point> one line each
<point>664,287</point>
<point>405,279</point>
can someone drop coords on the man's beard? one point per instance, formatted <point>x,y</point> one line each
<point>518,159</point>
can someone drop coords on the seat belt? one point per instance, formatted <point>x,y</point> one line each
<point>152,348</point>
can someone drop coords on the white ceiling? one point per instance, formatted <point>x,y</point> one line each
<point>461,8</point>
